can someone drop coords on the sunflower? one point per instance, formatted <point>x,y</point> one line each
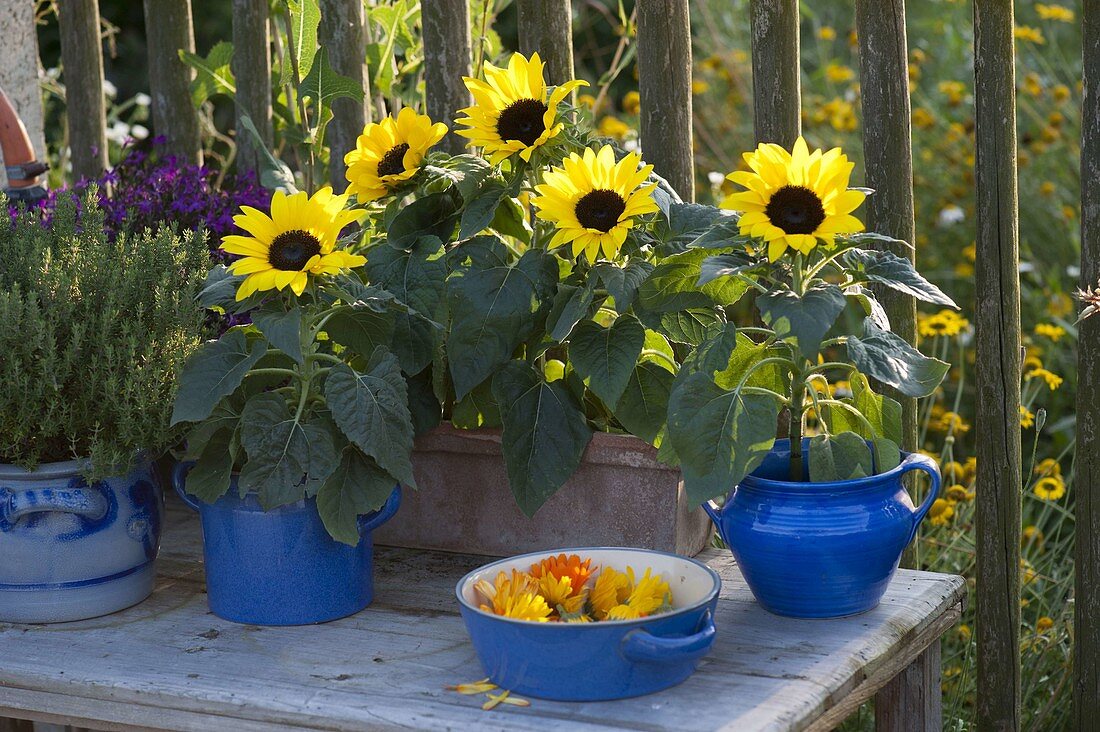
<point>389,152</point>
<point>511,112</point>
<point>795,199</point>
<point>297,239</point>
<point>592,200</point>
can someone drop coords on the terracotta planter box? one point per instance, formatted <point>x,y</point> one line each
<point>620,496</point>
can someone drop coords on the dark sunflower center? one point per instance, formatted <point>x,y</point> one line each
<point>795,210</point>
<point>600,209</point>
<point>393,162</point>
<point>291,250</point>
<point>522,120</point>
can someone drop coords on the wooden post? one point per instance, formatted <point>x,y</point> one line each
<point>664,83</point>
<point>82,57</point>
<point>341,32</point>
<point>912,701</point>
<point>888,156</point>
<point>19,71</point>
<point>446,25</point>
<point>997,391</point>
<point>776,80</point>
<point>168,28</point>
<point>546,26</point>
<point>1086,481</point>
<point>252,73</point>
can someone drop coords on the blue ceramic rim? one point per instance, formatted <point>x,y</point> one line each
<point>709,598</point>
<point>66,469</point>
<point>839,486</point>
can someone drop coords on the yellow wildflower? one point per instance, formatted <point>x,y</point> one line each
<point>941,512</point>
<point>944,323</point>
<point>1050,330</point>
<point>1053,380</point>
<point>1046,188</point>
<point>1060,92</point>
<point>1050,488</point>
<point>971,466</point>
<point>955,91</point>
<point>1028,571</point>
<point>1030,34</point>
<point>923,119</point>
<point>611,126</point>
<point>953,471</point>
<point>1032,85</point>
<point>698,86</point>
<point>1044,624</point>
<point>1032,536</point>
<point>1048,466</point>
<point>1058,13</point>
<point>958,494</point>
<point>839,73</point>
<point>965,633</point>
<point>632,102</point>
<point>1026,417</point>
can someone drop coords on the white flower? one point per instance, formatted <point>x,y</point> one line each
<point>142,99</point>
<point>139,132</point>
<point>715,178</point>
<point>110,89</point>
<point>1073,271</point>
<point>118,132</point>
<point>950,215</point>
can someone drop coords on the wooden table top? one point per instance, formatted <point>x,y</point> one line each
<point>169,663</point>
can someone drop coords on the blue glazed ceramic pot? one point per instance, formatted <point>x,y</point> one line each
<point>70,550</point>
<point>281,567</point>
<point>612,659</point>
<point>820,550</point>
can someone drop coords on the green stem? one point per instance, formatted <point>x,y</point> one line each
<point>663,356</point>
<point>329,358</point>
<point>274,372</point>
<point>853,410</point>
<point>798,390</point>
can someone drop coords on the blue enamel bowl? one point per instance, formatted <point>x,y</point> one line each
<point>613,659</point>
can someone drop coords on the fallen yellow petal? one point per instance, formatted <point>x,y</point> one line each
<point>494,700</point>
<point>515,701</point>
<point>476,687</point>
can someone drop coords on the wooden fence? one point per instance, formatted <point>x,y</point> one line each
<point>664,62</point>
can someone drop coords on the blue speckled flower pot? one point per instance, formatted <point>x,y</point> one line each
<point>612,659</point>
<point>281,567</point>
<point>820,550</point>
<point>70,550</point>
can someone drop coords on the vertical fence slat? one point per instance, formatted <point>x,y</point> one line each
<point>342,33</point>
<point>776,80</point>
<point>82,58</point>
<point>546,26</point>
<point>446,25</point>
<point>19,70</point>
<point>168,28</point>
<point>664,84</point>
<point>888,156</point>
<point>252,73</point>
<point>1086,480</point>
<point>997,322</point>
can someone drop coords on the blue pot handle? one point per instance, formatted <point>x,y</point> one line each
<point>89,503</point>
<point>714,511</point>
<point>916,461</point>
<point>179,480</point>
<point>641,645</point>
<point>372,521</point>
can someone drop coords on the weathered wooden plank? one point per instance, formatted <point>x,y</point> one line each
<point>913,700</point>
<point>776,75</point>
<point>888,156</point>
<point>15,725</point>
<point>168,29</point>
<point>1086,482</point>
<point>997,391</point>
<point>252,72</point>
<point>664,83</point>
<point>82,58</point>
<point>19,71</point>
<point>546,26</point>
<point>446,26</point>
<point>170,663</point>
<point>342,33</point>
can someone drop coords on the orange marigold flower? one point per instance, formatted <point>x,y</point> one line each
<point>578,571</point>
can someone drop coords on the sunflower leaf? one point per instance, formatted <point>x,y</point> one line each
<point>690,327</point>
<point>674,285</point>
<point>844,456</point>
<point>481,209</point>
<point>720,436</point>
<point>356,487</point>
<point>643,407</point>
<point>803,320</point>
<point>281,328</point>
<point>622,283</point>
<point>214,372</point>
<point>724,265</point>
<point>887,358</point>
<point>210,476</point>
<point>571,304</point>
<point>494,307</point>
<point>605,357</point>
<point>545,433</point>
<point>371,409</point>
<point>361,329</point>
<point>897,273</point>
<point>418,278</point>
<point>432,215</point>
